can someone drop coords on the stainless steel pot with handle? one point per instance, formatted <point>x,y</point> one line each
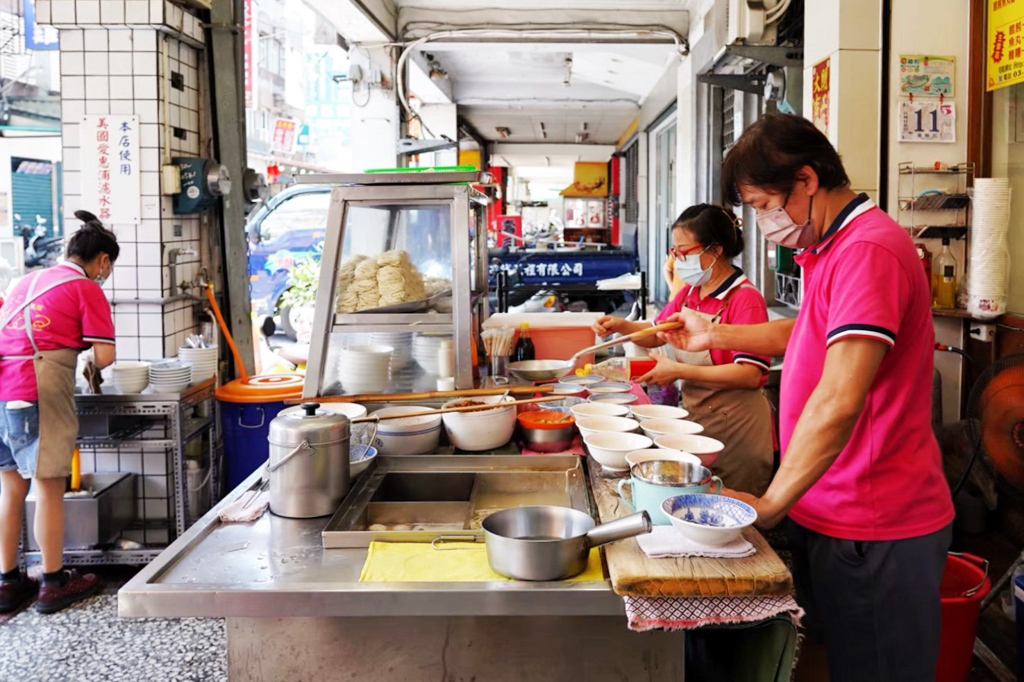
<point>550,543</point>
<point>309,462</point>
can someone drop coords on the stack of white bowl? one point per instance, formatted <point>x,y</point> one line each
<point>365,369</point>
<point>170,376</point>
<point>203,361</point>
<point>401,342</point>
<point>130,377</point>
<point>988,268</point>
<point>424,350</point>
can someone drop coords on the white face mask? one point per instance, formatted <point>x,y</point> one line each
<point>778,227</point>
<point>689,270</point>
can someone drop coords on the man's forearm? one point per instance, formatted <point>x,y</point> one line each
<point>768,338</point>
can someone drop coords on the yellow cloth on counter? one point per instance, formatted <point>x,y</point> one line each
<point>419,562</point>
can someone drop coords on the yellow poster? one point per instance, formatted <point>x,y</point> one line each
<point>590,179</point>
<point>1004,58</point>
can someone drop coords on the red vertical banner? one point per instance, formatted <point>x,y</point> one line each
<point>614,200</point>
<point>247,65</point>
<point>820,87</point>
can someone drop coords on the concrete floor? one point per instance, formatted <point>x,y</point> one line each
<point>88,642</point>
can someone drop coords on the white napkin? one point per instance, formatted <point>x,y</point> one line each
<point>233,513</point>
<point>666,541</point>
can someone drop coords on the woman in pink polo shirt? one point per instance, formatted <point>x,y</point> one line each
<point>721,388</point>
<point>49,317</point>
<point>861,476</point>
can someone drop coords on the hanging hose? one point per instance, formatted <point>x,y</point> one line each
<point>239,366</point>
<point>976,446</point>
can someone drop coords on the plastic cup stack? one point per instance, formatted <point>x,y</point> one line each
<point>988,266</point>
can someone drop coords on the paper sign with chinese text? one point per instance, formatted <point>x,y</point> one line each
<point>927,120</point>
<point>284,134</point>
<point>927,74</point>
<point>111,172</point>
<point>819,95</point>
<point>1003,56</point>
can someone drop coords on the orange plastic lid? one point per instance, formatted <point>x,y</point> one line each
<point>265,388</point>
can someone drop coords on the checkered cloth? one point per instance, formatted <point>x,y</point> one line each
<point>657,613</point>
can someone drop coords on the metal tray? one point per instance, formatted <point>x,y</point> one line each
<point>417,499</point>
<point>408,307</point>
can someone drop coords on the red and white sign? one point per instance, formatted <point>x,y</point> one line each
<point>284,134</point>
<point>111,172</point>
<point>247,59</point>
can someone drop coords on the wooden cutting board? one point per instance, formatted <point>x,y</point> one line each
<point>635,574</point>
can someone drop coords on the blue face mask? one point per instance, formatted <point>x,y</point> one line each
<point>688,269</point>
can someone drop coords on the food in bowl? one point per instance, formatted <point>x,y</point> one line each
<point>589,409</point>
<point>610,449</point>
<point>480,430</point>
<point>660,454</point>
<point>547,431</point>
<point>645,412</point>
<point>707,449</point>
<point>712,520</point>
<point>592,425</point>
<point>664,427</point>
<point>613,398</point>
<point>408,435</point>
<point>609,387</point>
<point>472,403</point>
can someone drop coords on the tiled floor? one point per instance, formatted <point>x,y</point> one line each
<point>89,642</point>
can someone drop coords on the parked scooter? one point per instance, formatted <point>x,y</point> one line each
<point>40,251</point>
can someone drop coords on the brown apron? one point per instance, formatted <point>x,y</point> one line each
<point>55,384</point>
<point>741,418</point>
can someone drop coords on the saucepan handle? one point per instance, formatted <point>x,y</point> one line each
<point>620,529</point>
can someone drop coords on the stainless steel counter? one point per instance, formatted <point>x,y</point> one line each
<point>277,567</point>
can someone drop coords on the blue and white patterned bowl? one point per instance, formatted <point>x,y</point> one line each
<point>711,520</point>
<point>359,458</point>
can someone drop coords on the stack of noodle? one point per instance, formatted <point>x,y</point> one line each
<point>388,279</point>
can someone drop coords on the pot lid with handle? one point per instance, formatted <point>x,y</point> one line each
<point>311,425</point>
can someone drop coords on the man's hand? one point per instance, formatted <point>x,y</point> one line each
<point>664,372</point>
<point>694,336</point>
<point>606,325</point>
<point>766,518</point>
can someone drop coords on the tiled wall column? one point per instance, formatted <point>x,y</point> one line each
<point>141,57</point>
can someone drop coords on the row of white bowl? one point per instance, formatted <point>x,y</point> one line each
<point>365,369</point>
<point>203,361</point>
<point>164,377</point>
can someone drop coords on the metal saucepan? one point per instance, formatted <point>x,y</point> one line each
<point>550,543</point>
<point>549,370</point>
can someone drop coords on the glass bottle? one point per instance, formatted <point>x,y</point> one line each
<point>524,346</point>
<point>944,278</point>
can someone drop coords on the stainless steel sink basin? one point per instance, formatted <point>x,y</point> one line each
<point>416,499</point>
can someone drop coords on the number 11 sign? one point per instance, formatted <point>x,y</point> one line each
<point>927,120</point>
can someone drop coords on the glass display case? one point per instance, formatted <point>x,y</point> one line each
<point>402,267</point>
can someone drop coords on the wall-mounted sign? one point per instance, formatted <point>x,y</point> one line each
<point>926,74</point>
<point>820,86</point>
<point>248,63</point>
<point>590,179</point>
<point>927,120</point>
<point>1004,57</point>
<point>37,37</point>
<point>111,179</point>
<point>284,134</point>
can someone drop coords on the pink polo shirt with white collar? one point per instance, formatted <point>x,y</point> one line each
<point>864,280</point>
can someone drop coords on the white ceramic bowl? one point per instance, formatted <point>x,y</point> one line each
<point>359,458</point>
<point>605,387</point>
<point>645,412</point>
<point>653,454</point>
<point>171,388</point>
<point>708,449</point>
<point>587,380</point>
<point>675,427</point>
<point>409,436</point>
<point>610,449</point>
<point>712,520</point>
<point>563,388</point>
<point>479,431</point>
<point>589,409</point>
<point>129,367</point>
<point>132,385</point>
<point>589,426</point>
<point>613,398</point>
<point>365,369</point>
<point>350,410</point>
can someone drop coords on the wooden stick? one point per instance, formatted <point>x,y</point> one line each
<point>425,395</point>
<point>446,410</point>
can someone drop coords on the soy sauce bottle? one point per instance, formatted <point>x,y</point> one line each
<point>524,346</point>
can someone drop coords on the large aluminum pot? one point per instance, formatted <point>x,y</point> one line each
<point>550,543</point>
<point>309,464</point>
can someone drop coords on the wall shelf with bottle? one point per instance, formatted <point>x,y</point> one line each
<point>934,197</point>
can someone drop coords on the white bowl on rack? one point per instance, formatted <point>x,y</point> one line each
<point>365,369</point>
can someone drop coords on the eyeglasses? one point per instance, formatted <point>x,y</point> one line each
<point>679,252</point>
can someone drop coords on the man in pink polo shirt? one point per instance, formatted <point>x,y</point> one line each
<point>861,476</point>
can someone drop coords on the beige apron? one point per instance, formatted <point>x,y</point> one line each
<point>739,417</point>
<point>55,383</point>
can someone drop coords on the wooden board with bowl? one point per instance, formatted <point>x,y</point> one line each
<point>633,573</point>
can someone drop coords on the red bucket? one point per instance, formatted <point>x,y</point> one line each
<point>965,583</point>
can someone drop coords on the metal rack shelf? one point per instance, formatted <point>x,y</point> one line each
<point>154,449</point>
<point>946,205</point>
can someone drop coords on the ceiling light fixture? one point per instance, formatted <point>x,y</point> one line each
<point>582,137</point>
<point>503,132</point>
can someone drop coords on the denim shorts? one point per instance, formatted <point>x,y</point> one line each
<point>19,437</point>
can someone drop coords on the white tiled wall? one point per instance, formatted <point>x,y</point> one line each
<point>118,57</point>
